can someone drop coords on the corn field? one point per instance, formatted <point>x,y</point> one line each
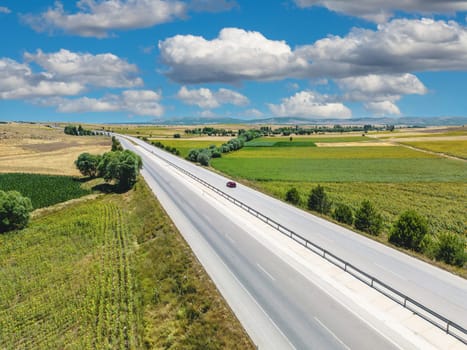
<point>67,283</point>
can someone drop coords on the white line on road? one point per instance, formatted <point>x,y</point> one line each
<point>331,332</point>
<point>229,238</point>
<point>391,272</point>
<point>265,272</point>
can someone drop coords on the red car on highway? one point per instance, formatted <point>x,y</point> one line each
<point>231,184</point>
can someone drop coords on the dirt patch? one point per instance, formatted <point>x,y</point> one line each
<point>39,149</point>
<point>354,144</point>
<point>48,147</point>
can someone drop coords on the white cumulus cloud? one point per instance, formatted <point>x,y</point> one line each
<point>380,92</point>
<point>380,108</point>
<point>4,9</point>
<point>106,70</point>
<point>207,99</point>
<point>97,18</point>
<point>381,87</point>
<point>64,73</point>
<point>255,113</point>
<point>381,10</point>
<point>400,46</point>
<point>138,102</point>
<point>233,56</point>
<point>17,81</point>
<point>309,104</point>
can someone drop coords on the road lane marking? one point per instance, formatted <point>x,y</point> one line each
<point>229,238</point>
<point>158,159</point>
<point>265,272</point>
<point>391,272</point>
<point>331,332</point>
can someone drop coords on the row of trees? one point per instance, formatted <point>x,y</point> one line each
<point>167,148</point>
<point>409,231</point>
<point>204,155</point>
<point>289,130</point>
<point>78,131</point>
<point>120,166</point>
<point>210,131</point>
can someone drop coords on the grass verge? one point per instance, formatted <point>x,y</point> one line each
<point>109,273</point>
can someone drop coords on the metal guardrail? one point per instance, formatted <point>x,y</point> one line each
<point>451,328</point>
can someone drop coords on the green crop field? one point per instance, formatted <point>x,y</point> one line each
<point>299,139</point>
<point>393,178</point>
<point>43,190</point>
<point>112,273</point>
<point>443,204</point>
<point>391,152</point>
<point>456,148</point>
<point>148,130</point>
<point>184,146</point>
<point>340,164</point>
<point>343,170</point>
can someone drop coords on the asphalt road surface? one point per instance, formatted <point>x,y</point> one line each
<point>299,314</point>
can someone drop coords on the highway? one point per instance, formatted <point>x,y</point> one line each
<point>296,312</point>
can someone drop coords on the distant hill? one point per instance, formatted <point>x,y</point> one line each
<point>404,121</point>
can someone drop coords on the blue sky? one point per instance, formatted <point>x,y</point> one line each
<point>144,60</point>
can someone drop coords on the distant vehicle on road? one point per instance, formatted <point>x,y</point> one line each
<point>231,184</point>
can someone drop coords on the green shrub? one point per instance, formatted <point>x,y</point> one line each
<point>318,200</point>
<point>193,155</point>
<point>204,158</point>
<point>14,211</point>
<point>408,231</point>
<point>450,248</point>
<point>343,213</point>
<point>367,219</point>
<point>292,196</point>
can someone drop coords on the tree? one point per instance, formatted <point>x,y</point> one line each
<point>71,130</point>
<point>343,213</point>
<point>193,155</point>
<point>14,211</point>
<point>116,145</point>
<point>408,231</point>
<point>203,158</point>
<point>367,219</point>
<point>318,200</point>
<point>121,166</point>
<point>87,164</point>
<point>451,249</point>
<point>292,196</point>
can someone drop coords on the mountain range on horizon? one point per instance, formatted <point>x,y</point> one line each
<point>401,121</point>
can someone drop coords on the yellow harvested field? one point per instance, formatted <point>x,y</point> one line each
<point>354,144</point>
<point>430,138</point>
<point>38,148</point>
